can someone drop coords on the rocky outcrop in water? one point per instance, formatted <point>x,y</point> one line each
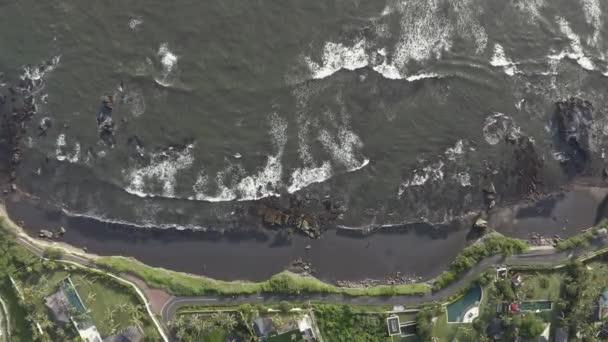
<point>18,107</point>
<point>572,123</point>
<point>305,214</point>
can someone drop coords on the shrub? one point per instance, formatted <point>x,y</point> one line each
<point>531,326</point>
<point>543,282</point>
<point>494,244</point>
<point>284,306</point>
<point>52,253</point>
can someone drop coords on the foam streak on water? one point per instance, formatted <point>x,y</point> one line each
<point>576,51</point>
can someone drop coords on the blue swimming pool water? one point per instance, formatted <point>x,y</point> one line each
<point>457,309</point>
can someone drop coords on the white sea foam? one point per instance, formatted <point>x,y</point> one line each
<point>38,72</point>
<point>531,7</point>
<point>593,16</point>
<point>498,126</point>
<point>342,147</point>
<point>169,61</point>
<point>463,178</point>
<point>61,152</point>
<point>576,51</point>
<point>421,176</point>
<point>500,59</point>
<point>162,170</point>
<point>303,177</point>
<point>467,25</point>
<point>337,56</point>
<point>135,22</point>
<point>425,32</point>
<point>560,156</point>
<point>453,152</point>
<point>264,183</point>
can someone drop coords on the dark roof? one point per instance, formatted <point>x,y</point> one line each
<point>58,304</point>
<point>130,334</point>
<point>263,326</point>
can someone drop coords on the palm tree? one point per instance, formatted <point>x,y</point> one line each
<point>91,297</point>
<point>229,322</point>
<point>122,307</point>
<point>110,314</point>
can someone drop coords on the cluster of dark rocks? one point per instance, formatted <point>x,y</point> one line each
<point>395,279</point>
<point>47,234</point>
<point>305,214</point>
<point>572,122</point>
<point>359,283</point>
<point>302,267</point>
<point>18,107</point>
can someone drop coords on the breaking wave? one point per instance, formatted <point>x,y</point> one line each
<point>169,63</point>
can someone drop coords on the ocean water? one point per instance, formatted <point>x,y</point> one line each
<point>393,111</point>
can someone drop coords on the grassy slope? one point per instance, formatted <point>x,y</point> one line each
<point>187,284</point>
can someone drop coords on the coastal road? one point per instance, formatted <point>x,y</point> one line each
<point>537,256</point>
<point>545,257</point>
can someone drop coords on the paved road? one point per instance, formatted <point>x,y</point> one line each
<point>546,257</point>
<point>5,333</point>
<point>541,257</point>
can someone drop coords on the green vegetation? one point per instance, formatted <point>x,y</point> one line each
<point>112,306</point>
<point>494,244</point>
<point>530,326</point>
<point>210,327</point>
<point>542,285</point>
<point>285,282</point>
<point>341,323</point>
<point>52,253</point>
<point>576,241</point>
<point>37,278</point>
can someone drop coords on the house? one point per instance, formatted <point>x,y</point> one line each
<point>67,307</point>
<point>58,304</point>
<point>544,336</point>
<point>130,334</point>
<point>496,329</point>
<point>263,326</point>
<point>392,324</point>
<point>513,307</point>
<point>603,305</point>
<point>517,280</point>
<point>302,329</point>
<point>305,326</point>
<point>501,272</point>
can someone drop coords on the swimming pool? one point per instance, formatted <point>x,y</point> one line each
<point>537,305</point>
<point>459,310</point>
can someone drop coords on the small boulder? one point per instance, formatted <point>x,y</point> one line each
<point>45,234</point>
<point>480,224</point>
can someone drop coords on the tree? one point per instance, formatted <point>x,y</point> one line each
<point>284,306</point>
<point>531,326</point>
<point>505,290</point>
<point>52,253</point>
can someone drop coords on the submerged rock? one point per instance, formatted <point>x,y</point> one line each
<point>572,120</point>
<point>45,234</point>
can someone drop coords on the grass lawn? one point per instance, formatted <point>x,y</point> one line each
<point>216,335</point>
<point>111,306</point>
<point>542,285</point>
<point>407,317</point>
<point>442,329</point>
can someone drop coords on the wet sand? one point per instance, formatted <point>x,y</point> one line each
<point>336,256</point>
<point>564,214</point>
<point>420,250</point>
